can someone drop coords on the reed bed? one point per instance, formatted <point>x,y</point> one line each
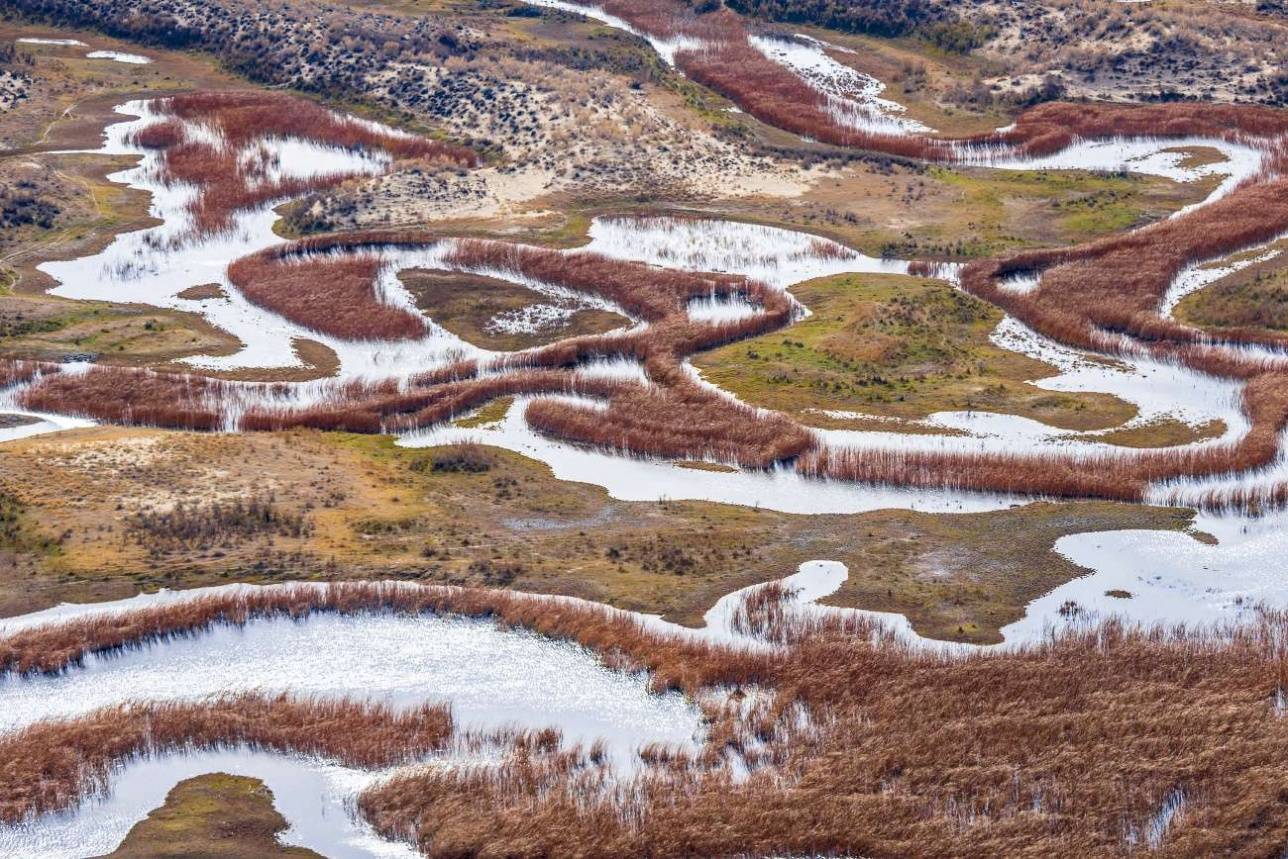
<point>1047,128</point>
<point>416,407</point>
<point>672,662</point>
<point>720,56</point>
<point>243,117</point>
<point>21,372</point>
<point>159,135</point>
<point>1121,476</point>
<point>1089,295</point>
<point>1116,285</point>
<point>777,96</point>
<point>127,396</point>
<point>1068,747</point>
<point>230,182</point>
<point>862,744</point>
<point>644,291</point>
<point>52,766</point>
<point>683,422</point>
<point>333,295</point>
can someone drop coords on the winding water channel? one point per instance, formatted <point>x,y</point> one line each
<point>493,678</point>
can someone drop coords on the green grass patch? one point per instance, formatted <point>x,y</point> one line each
<point>897,346</point>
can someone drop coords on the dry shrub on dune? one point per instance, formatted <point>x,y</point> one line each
<point>334,295</point>
<point>725,61</point>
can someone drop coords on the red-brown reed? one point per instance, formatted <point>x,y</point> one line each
<point>1068,745</point>
<point>53,765</point>
<point>1071,746</point>
<point>334,295</point>
<point>229,181</point>
<point>672,661</point>
<point>20,372</point>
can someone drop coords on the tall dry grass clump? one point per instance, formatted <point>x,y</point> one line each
<point>644,291</point>
<point>674,662</point>
<point>246,116</point>
<point>128,396</point>
<point>52,766</point>
<point>1116,285</point>
<point>333,295</point>
<point>1070,747</point>
<point>682,422</point>
<point>1122,476</point>
<point>21,372</point>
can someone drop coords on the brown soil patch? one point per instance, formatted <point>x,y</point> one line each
<point>467,304</point>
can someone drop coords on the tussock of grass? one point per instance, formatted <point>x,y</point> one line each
<point>199,526</point>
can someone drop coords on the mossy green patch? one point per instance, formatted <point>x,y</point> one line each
<point>1074,206</point>
<point>900,347</point>
<point>1255,298</point>
<point>489,414</point>
<point>214,816</point>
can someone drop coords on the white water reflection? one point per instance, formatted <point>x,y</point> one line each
<point>120,57</point>
<point>40,423</point>
<point>772,255</point>
<point>1168,157</point>
<point>1171,577</point>
<point>641,479</point>
<point>153,266</point>
<point>853,98</point>
<point>61,43</point>
<point>493,679</point>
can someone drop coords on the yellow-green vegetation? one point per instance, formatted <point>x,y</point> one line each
<point>18,532</point>
<point>701,465</point>
<point>955,578</point>
<point>1198,156</point>
<point>485,516</point>
<point>489,414</point>
<point>52,330</point>
<point>1255,297</point>
<point>470,305</point>
<point>214,816</point>
<point>66,80</point>
<point>901,347</point>
<point>1004,209</point>
<point>1163,433</point>
<point>87,211</point>
<point>964,213</point>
